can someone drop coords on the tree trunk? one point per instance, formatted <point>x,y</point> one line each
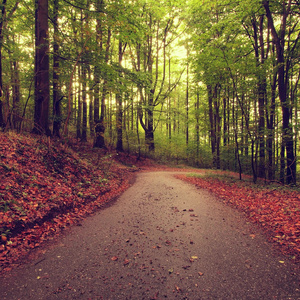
<point>187,104</point>
<point>283,78</point>
<point>119,101</point>
<point>149,132</point>
<point>42,89</point>
<point>2,123</point>
<point>119,122</point>
<point>215,124</point>
<point>211,121</point>
<point>99,141</point>
<point>56,71</point>
<point>84,105</point>
<point>91,105</point>
<point>270,126</point>
<point>197,117</point>
<point>15,81</point>
<point>79,108</point>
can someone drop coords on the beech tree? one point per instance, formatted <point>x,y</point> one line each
<point>282,38</point>
<point>151,60</point>
<point>56,72</point>
<point>257,114</point>
<point>42,88</point>
<point>103,43</point>
<point>2,18</point>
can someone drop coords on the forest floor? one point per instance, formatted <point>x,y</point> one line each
<point>46,186</point>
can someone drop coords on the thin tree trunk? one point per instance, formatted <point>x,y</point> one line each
<point>119,101</point>
<point>3,11</point>
<point>212,123</point>
<point>79,107</point>
<point>99,104</point>
<point>56,71</point>
<point>197,128</point>
<point>91,106</point>
<point>271,134</point>
<point>16,114</point>
<point>217,121</point>
<point>187,105</point>
<point>84,105</point>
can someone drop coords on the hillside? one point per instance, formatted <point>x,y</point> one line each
<point>46,186</point>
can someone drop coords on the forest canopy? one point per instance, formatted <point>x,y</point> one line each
<point>210,83</point>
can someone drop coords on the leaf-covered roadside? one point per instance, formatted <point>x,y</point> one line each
<point>276,210</point>
<point>46,186</point>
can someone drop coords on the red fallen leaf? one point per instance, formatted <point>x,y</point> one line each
<point>186,267</point>
<point>114,258</point>
<point>126,262</point>
<point>155,296</point>
<point>276,210</point>
<point>200,273</point>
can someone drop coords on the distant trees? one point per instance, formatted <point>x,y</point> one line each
<point>214,84</point>
<point>247,66</point>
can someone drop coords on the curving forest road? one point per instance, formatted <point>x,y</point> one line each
<point>162,239</point>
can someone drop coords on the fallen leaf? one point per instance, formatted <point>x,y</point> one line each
<point>186,267</point>
<point>114,258</point>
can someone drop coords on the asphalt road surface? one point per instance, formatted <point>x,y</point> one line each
<point>162,239</point>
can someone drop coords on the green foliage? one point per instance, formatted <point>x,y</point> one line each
<point>172,53</point>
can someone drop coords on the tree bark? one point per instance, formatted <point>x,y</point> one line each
<point>3,11</point>
<point>187,104</point>
<point>79,107</point>
<point>119,100</point>
<point>283,78</point>
<point>15,80</point>
<point>56,71</point>
<point>42,88</point>
<point>84,104</point>
<point>99,104</point>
